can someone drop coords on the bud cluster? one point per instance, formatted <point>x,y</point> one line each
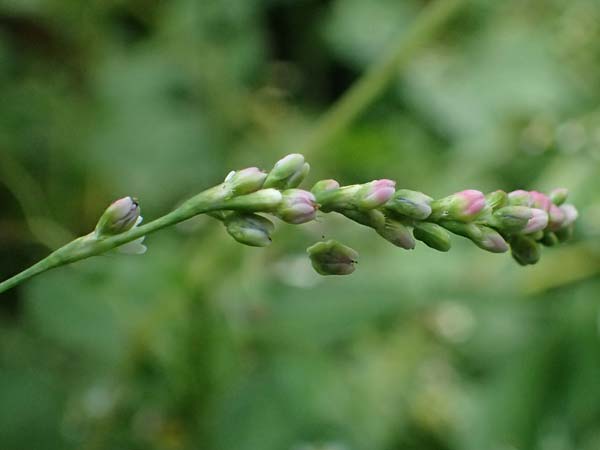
<point>521,221</point>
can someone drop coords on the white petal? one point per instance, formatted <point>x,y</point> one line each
<point>133,248</point>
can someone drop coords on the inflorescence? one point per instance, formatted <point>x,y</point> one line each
<point>519,221</point>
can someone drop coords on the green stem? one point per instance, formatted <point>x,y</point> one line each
<point>380,74</point>
<point>87,246</point>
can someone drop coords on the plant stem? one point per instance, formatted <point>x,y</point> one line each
<point>87,246</point>
<point>380,74</point>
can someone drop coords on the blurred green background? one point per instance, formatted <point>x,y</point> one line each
<point>205,344</point>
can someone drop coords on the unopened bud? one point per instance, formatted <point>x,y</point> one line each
<point>556,217</point>
<point>565,233</point>
<point>324,186</point>
<point>287,173</point>
<point>525,250</point>
<point>538,221</point>
<point>463,206</point>
<point>571,214</point>
<point>482,236</point>
<point>250,229</point>
<point>265,200</point>
<point>375,193</point>
<point>559,196</point>
<point>297,206</point>
<point>540,201</point>
<point>338,199</point>
<point>372,218</point>
<point>432,235</point>
<point>119,217</point>
<point>398,234</point>
<point>519,198</point>
<point>549,239</point>
<point>246,181</point>
<point>512,219</point>
<point>412,204</point>
<point>332,258</point>
<point>497,199</point>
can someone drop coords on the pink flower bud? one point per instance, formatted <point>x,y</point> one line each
<point>119,217</point>
<point>376,193</point>
<point>463,206</point>
<point>556,217</point>
<point>538,221</point>
<point>297,206</point>
<point>540,201</point>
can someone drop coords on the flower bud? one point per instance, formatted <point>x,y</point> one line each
<point>556,217</point>
<point>287,173</point>
<point>250,229</point>
<point>463,206</point>
<point>524,250</point>
<point>398,234</point>
<point>372,218</point>
<point>432,235</point>
<point>375,193</point>
<point>297,206</point>
<point>265,200</point>
<point>119,217</point>
<point>571,214</point>
<point>497,199</point>
<point>245,181</point>
<point>411,204</point>
<point>550,239</point>
<point>559,196</point>
<point>519,198</point>
<point>565,233</point>
<point>482,236</point>
<point>340,199</point>
<point>332,258</point>
<point>512,219</point>
<point>324,186</point>
<point>538,221</point>
<point>540,201</point>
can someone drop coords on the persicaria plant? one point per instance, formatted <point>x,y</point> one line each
<point>519,221</point>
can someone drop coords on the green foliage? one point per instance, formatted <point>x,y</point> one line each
<point>205,344</point>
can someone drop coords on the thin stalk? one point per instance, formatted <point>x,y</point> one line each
<point>366,90</point>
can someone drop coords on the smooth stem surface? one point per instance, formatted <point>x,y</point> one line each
<point>380,74</point>
<point>85,247</point>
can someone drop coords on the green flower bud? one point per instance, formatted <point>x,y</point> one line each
<point>497,199</point>
<point>520,198</point>
<point>332,258</point>
<point>287,173</point>
<point>559,196</point>
<point>372,218</point>
<point>413,204</point>
<point>245,181</point>
<point>265,200</point>
<point>119,217</point>
<point>524,250</point>
<point>338,199</point>
<point>398,234</point>
<point>549,239</point>
<point>482,236</point>
<point>512,219</point>
<point>432,235</point>
<point>324,186</point>
<point>250,229</point>
<point>565,233</point>
<point>297,206</point>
